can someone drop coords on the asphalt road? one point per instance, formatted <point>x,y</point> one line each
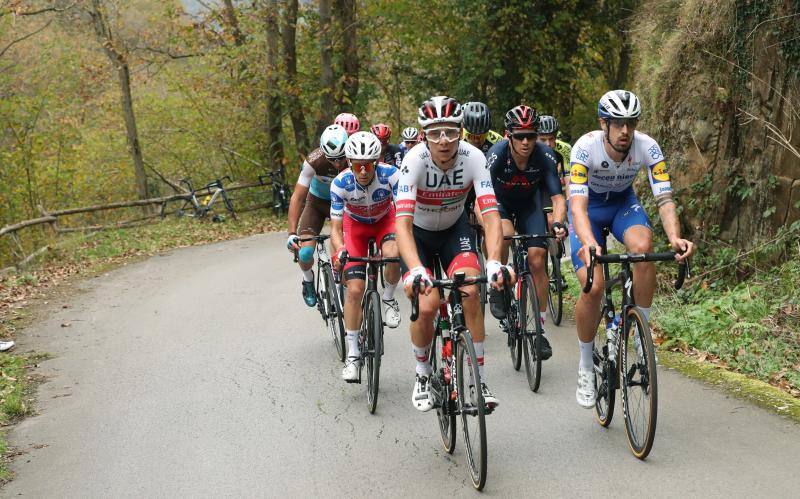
<point>200,373</point>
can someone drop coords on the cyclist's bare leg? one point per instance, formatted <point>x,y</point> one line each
<point>587,310</point>
<point>536,259</point>
<point>639,239</point>
<point>422,328</point>
<point>310,263</point>
<point>472,307</point>
<point>391,272</point>
<point>352,304</point>
<point>508,230</point>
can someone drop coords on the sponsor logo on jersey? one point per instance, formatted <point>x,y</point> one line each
<point>604,164</point>
<point>380,194</point>
<point>655,152</point>
<point>660,172</point>
<point>582,154</point>
<point>578,174</point>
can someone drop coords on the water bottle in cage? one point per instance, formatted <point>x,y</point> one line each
<point>612,334</point>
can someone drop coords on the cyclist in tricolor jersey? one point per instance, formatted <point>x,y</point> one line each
<point>435,178</point>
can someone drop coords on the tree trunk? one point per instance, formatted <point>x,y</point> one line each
<point>326,66</point>
<point>119,59</point>
<point>292,89</point>
<point>274,112</point>
<point>233,22</point>
<point>346,17</point>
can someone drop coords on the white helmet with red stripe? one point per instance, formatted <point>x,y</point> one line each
<point>440,109</point>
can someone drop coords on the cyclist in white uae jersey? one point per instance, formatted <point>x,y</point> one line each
<point>435,178</point>
<point>604,166</point>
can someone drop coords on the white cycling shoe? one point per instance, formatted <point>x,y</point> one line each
<point>421,397</point>
<point>351,368</point>
<point>586,394</point>
<point>391,313</point>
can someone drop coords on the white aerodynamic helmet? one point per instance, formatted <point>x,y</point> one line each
<point>363,146</point>
<point>410,133</point>
<point>332,141</point>
<point>619,104</point>
<point>439,109</point>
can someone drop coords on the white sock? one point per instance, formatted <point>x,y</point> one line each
<point>646,312</point>
<point>586,354</point>
<point>388,291</point>
<point>479,354</point>
<point>352,344</point>
<point>422,355</point>
<point>308,275</point>
<point>542,317</point>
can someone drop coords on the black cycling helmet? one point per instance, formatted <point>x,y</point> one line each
<point>522,118</point>
<point>547,124</point>
<point>477,119</point>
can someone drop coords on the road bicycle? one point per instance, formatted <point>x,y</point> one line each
<point>370,335</point>
<point>624,353</point>
<point>281,192</point>
<point>328,303</point>
<point>199,203</point>
<point>522,323</point>
<point>455,380</point>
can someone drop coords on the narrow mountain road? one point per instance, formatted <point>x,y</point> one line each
<point>200,373</point>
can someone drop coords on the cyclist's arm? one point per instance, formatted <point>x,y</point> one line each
<point>337,211</point>
<point>403,228</point>
<point>486,204</point>
<point>406,202</point>
<point>337,235</point>
<point>552,183</point>
<point>299,196</point>
<point>579,204</point>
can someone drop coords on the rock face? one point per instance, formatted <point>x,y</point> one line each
<point>719,81</point>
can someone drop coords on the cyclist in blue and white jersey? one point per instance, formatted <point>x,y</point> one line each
<point>410,139</point>
<point>604,164</point>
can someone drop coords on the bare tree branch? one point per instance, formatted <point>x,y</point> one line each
<point>166,52</point>
<point>18,40</point>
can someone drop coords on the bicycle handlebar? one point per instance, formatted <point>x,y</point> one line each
<point>667,256</point>
<point>365,259</point>
<point>459,280</point>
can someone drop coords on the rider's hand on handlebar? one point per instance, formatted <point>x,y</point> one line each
<point>683,247</point>
<point>425,284</point>
<point>338,256</point>
<point>292,244</point>
<point>559,230</point>
<point>583,253</point>
<point>496,277</point>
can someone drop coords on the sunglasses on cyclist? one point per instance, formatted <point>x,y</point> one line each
<point>621,122</point>
<point>524,135</point>
<point>410,143</point>
<point>362,167</point>
<point>448,134</point>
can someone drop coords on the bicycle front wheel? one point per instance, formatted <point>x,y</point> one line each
<point>482,287</point>
<point>605,373</point>
<point>515,320</point>
<point>555,292</point>
<point>445,416</point>
<point>333,312</point>
<point>531,334</point>
<point>639,383</point>
<point>472,407</point>
<point>374,325</point>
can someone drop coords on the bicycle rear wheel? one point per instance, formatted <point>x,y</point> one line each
<point>606,376</point>
<point>228,204</point>
<point>374,325</point>
<point>472,408</point>
<point>333,312</point>
<point>531,333</point>
<point>639,383</point>
<point>445,417</point>
<point>555,292</point>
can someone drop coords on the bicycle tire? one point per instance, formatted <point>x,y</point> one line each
<point>532,334</point>
<point>445,417</point>
<point>515,337</point>
<point>606,375</point>
<point>640,436</point>
<point>333,313</point>
<point>555,291</point>
<point>374,323</point>
<point>472,407</point>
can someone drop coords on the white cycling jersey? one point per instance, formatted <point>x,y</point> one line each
<point>594,174</point>
<point>435,198</point>
<point>365,204</point>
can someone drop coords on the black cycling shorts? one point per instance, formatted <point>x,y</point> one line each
<point>454,245</point>
<point>528,218</point>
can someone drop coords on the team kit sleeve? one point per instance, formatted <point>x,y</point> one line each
<point>338,195</point>
<point>394,180</point>
<point>306,174</point>
<point>407,188</point>
<point>551,178</point>
<point>579,170</point>
<point>484,192</point>
<point>657,169</point>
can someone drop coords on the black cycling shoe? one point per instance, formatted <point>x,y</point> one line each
<point>496,304</point>
<point>544,348</point>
